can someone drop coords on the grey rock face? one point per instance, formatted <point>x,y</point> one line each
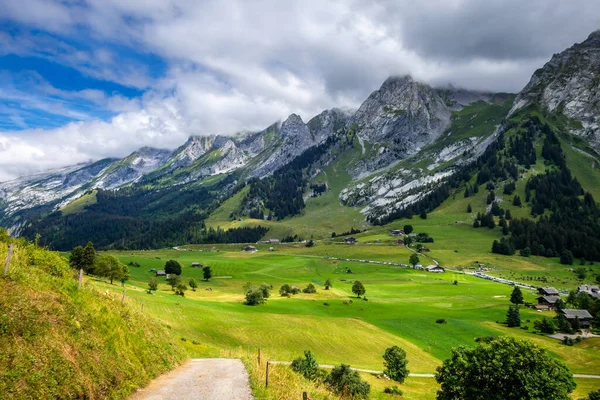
<point>402,117</point>
<point>294,138</point>
<point>570,83</point>
<point>327,123</point>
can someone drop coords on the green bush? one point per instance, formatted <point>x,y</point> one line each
<point>344,381</point>
<point>393,390</point>
<point>307,366</point>
<point>254,297</point>
<point>310,288</point>
<point>285,290</point>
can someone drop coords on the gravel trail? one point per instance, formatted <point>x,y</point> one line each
<point>200,379</point>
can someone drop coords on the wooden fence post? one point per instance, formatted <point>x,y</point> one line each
<point>258,355</point>
<point>123,298</point>
<point>267,376</point>
<point>142,307</point>
<point>80,280</point>
<point>10,253</point>
<point>304,396</point>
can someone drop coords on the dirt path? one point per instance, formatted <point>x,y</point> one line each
<point>200,379</point>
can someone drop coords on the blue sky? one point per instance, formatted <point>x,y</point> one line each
<point>87,79</point>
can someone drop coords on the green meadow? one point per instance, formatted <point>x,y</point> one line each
<point>401,306</point>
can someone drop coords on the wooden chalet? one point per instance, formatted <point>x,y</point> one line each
<point>547,302</point>
<point>585,318</point>
<point>548,291</point>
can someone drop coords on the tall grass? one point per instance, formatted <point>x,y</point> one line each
<point>60,342</point>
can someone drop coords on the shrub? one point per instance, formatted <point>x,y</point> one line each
<point>180,289</point>
<point>393,390</point>
<point>153,284</point>
<point>193,284</point>
<point>310,288</point>
<point>307,366</point>
<point>544,325</point>
<point>344,381</point>
<point>285,289</point>
<point>567,341</point>
<point>326,304</point>
<point>594,395</point>
<point>394,361</point>
<point>174,280</point>
<point>295,290</point>
<point>254,297</point>
<point>440,321</point>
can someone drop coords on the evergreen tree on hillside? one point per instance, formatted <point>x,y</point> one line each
<point>513,316</point>
<point>517,201</point>
<point>207,273</point>
<point>516,296</point>
<point>566,257</point>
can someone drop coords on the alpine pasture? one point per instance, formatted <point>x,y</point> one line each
<point>400,307</point>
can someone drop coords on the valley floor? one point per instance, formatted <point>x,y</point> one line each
<point>400,307</point>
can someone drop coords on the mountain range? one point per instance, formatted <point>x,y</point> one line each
<point>404,141</point>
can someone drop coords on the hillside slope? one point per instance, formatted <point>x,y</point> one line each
<point>60,342</point>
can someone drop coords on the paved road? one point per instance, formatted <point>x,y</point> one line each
<point>200,379</point>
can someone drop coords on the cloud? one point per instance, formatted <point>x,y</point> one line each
<point>226,66</point>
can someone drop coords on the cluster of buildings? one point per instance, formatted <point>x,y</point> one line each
<point>549,299</point>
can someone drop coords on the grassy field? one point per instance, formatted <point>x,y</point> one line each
<point>402,308</point>
<point>79,205</point>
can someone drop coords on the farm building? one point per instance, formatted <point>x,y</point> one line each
<point>419,266</point>
<point>161,272</point>
<point>592,290</point>
<point>548,291</point>
<point>435,268</point>
<point>350,240</point>
<point>250,249</point>
<point>424,249</point>
<point>547,302</point>
<point>196,265</point>
<point>397,232</point>
<point>585,318</point>
<point>274,241</point>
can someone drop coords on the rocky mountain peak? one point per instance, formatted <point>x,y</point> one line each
<point>570,83</point>
<point>293,126</point>
<point>399,118</point>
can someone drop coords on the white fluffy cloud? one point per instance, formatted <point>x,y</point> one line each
<point>238,65</point>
